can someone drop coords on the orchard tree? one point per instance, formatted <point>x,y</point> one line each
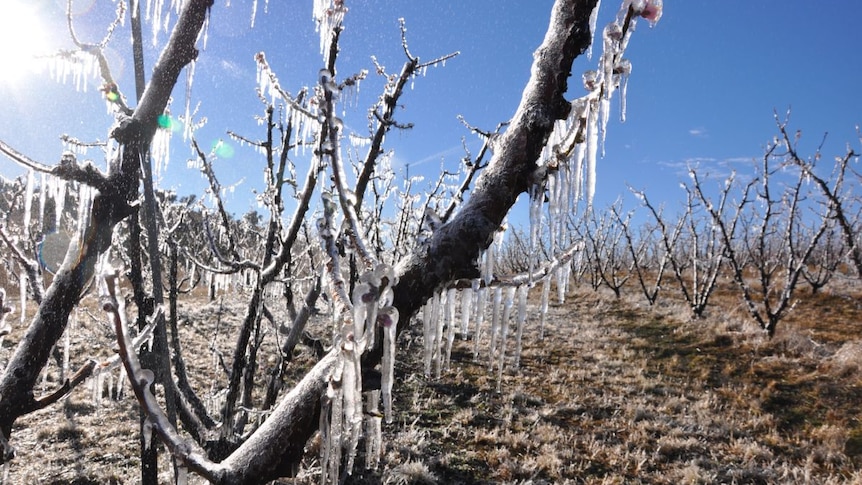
<point>375,281</point>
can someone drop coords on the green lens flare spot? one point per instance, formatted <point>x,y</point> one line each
<point>165,121</point>
<point>222,149</point>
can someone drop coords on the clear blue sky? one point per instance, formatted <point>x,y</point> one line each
<point>704,85</point>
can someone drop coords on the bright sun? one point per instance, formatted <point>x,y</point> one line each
<point>22,38</point>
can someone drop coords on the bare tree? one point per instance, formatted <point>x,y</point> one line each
<point>842,206</point>
<point>769,238</point>
<point>649,258</point>
<point>693,248</point>
<point>612,264</point>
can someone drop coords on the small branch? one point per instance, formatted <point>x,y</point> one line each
<point>83,373</point>
<point>141,379</point>
<point>31,267</point>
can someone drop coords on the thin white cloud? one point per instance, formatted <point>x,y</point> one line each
<point>698,132</point>
<point>439,156</point>
<point>231,68</point>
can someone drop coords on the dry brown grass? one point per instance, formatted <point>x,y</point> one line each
<point>618,392</point>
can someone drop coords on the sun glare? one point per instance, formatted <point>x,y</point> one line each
<point>22,39</point>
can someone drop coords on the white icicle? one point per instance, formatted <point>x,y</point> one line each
<point>543,308</point>
<point>495,322</point>
<point>60,188</point>
<point>466,307</point>
<point>504,332</point>
<point>439,323</point>
<point>594,16</point>
<point>43,196</point>
<point>331,462</point>
<point>429,328</point>
<point>352,406</point>
<point>625,69</point>
<point>537,195</point>
<point>592,149</point>
<point>553,210</point>
<point>560,276</point>
<point>481,296</point>
<point>389,322</point>
<point>64,372</point>
<point>451,298</point>
<point>522,319</point>
<point>28,214</point>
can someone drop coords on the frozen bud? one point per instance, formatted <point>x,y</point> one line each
<point>590,78</point>
<point>652,11</point>
<point>387,317</point>
<point>146,377</point>
<point>613,31</point>
<point>68,158</point>
<point>364,293</point>
<point>624,67</point>
<point>324,77</point>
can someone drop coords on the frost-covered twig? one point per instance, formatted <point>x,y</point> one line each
<point>141,380</point>
<point>82,374</point>
<point>31,267</point>
<point>473,165</point>
<point>109,86</point>
<point>68,168</point>
<point>5,310</point>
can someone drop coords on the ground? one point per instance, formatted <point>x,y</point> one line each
<point>616,392</point>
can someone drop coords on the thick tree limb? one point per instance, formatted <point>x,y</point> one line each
<point>110,206</point>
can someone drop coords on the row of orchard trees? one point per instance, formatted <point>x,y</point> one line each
<point>787,223</point>
<point>132,240</point>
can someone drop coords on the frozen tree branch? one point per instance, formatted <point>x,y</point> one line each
<point>110,206</point>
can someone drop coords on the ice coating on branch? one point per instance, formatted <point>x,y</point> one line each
<point>651,10</point>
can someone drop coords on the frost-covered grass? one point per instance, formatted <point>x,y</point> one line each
<point>617,392</point>
<point>622,393</point>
